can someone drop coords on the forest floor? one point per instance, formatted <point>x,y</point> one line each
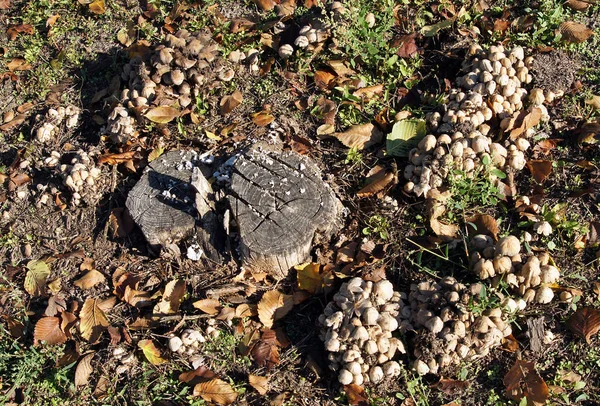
<point>80,288</point>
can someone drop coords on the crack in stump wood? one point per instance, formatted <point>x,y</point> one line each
<point>280,204</point>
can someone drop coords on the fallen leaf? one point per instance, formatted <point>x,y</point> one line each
<point>18,64</point>
<point>540,169</point>
<point>325,129</point>
<point>367,93</point>
<point>228,103</point>
<point>93,320</point>
<point>340,68</point>
<point>577,5</point>
<point>483,224</point>
<point>16,180</point>
<point>405,135</point>
<point>15,30</point>
<point>97,7</point>
<point>171,298</point>
<point>588,133</point>
<point>116,159</point>
<point>544,147</point>
<point>260,383</point>
<point>216,390</point>
<point>209,306</point>
<point>162,114</point>
<point>127,35</point>
<point>84,370</point>
<point>266,350</point>
<point>574,32</point>
<point>524,381</point>
<point>48,330</point>
<point>510,343</point>
<point>245,310</point>
<point>286,8</point>
<point>432,30</point>
<point>115,335</point>
<point>525,120</point>
<point>324,80</point>
<point>14,123</point>
<point>436,210</point>
<point>52,20</point>
<point>121,222</point>
<point>151,353</point>
<point>273,306</point>
<point>585,322</point>
<point>265,5</point>
<point>501,25</point>
<point>137,298</point>
<point>313,278</point>
<point>382,180</point>
<point>200,374</point>
<point>4,4</point>
<point>90,279</point>
<point>356,395</point>
<point>262,118</point>
<point>594,101</point>
<point>407,46</point>
<point>360,136</point>
<point>35,279</point>
<point>451,386</point>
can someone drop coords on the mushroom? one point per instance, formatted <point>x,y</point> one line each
<point>508,246</point>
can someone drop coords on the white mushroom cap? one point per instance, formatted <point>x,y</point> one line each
<point>370,316</point>
<point>175,343</point>
<point>345,377</point>
<point>434,324</point>
<point>383,290</point>
<point>544,295</point>
<point>420,367</point>
<point>508,246</point>
<point>376,374</point>
<point>550,274</point>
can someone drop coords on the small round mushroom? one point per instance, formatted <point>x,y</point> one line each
<point>285,51</point>
<point>508,246</point>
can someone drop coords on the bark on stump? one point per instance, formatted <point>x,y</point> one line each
<point>280,204</point>
<point>162,203</point>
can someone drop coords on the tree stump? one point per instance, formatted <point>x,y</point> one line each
<point>280,204</point>
<point>173,198</point>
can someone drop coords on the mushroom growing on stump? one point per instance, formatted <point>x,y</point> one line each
<point>280,203</point>
<point>162,203</point>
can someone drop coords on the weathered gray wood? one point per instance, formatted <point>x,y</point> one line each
<point>162,202</point>
<point>280,203</point>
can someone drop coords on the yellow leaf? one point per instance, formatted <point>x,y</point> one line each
<point>260,383</point>
<point>97,7</point>
<point>35,279</point>
<point>217,391</point>
<point>213,136</point>
<point>89,280</point>
<point>273,306</point>
<point>93,321</point>
<point>162,114</point>
<point>310,277</point>
<point>151,353</point>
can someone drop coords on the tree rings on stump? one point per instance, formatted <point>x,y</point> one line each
<point>280,203</point>
<point>163,201</point>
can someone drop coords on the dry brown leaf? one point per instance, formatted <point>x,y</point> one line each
<point>162,114</point>
<point>151,353</point>
<point>313,278</point>
<point>15,328</point>
<point>381,180</point>
<point>25,107</point>
<point>15,122</point>
<point>115,335</point>
<point>56,305</point>
<point>35,279</point>
<point>577,5</point>
<point>97,7</point>
<point>171,298</point>
<point>52,20</point>
<point>107,304</point>
<point>360,136</point>
<point>544,147</point>
<point>116,159</point>
<point>340,68</point>
<point>484,224</point>
<point>260,383</point>
<point>585,322</point>
<point>574,32</point>
<point>84,370</point>
<point>16,180</point>
<point>501,25</point>
<point>137,298</point>
<point>15,30</point>
<point>324,80</point>
<point>262,118</point>
<point>4,4</point>
<point>228,103</point>
<point>18,64</point>
<point>93,321</point>
<point>273,306</point>
<point>286,8</point>
<point>369,92</point>
<point>48,330</point>
<point>525,120</point>
<point>245,310</point>
<point>524,381</point>
<point>356,395</point>
<point>90,279</point>
<point>510,343</point>
<point>266,350</point>
<point>451,386</point>
<point>594,101</point>
<point>87,264</point>
<point>540,169</point>
<point>435,210</point>
<point>265,5</point>
<point>209,306</point>
<point>407,46</point>
<point>216,390</point>
<point>121,222</point>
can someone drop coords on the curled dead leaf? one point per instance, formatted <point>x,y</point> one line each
<point>84,370</point>
<point>483,224</point>
<point>228,103</point>
<point>436,210</point>
<point>260,383</point>
<point>273,306</point>
<point>90,279</point>
<point>171,298</point>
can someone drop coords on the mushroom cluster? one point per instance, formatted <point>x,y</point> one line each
<point>493,89</point>
<point>187,342</point>
<point>357,329</point>
<point>309,38</point>
<point>53,120</point>
<point>529,277</point>
<point>456,324</point>
<point>126,359</point>
<point>80,176</point>
<point>170,74</point>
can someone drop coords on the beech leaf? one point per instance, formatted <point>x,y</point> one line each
<point>313,278</point>
<point>405,135</point>
<point>574,32</point>
<point>209,306</point>
<point>228,103</point>
<point>436,210</point>
<point>84,370</point>
<point>162,114</point>
<point>273,306</point>
<point>360,136</point>
<point>35,279</point>
<point>97,7</point>
<point>216,390</point>
<point>151,353</point>
<point>540,169</point>
<point>266,350</point>
<point>484,224</point>
<point>585,322</point>
<point>523,381</point>
<point>90,279</point>
<point>356,395</point>
<point>93,320</point>
<point>171,298</point>
<point>48,330</point>
<point>260,383</point>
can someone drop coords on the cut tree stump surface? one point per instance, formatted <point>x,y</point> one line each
<point>280,203</point>
<point>162,202</point>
